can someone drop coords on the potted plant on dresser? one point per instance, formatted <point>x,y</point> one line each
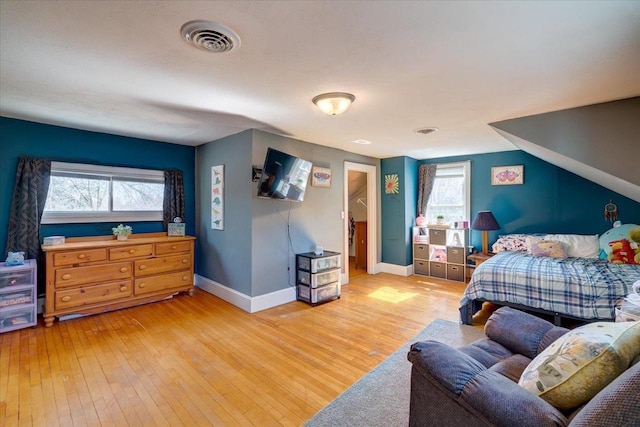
<point>122,232</point>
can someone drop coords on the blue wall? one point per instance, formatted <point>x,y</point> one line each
<point>21,138</point>
<point>398,210</point>
<point>551,200</point>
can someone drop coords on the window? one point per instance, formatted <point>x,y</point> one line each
<point>91,193</point>
<point>451,192</point>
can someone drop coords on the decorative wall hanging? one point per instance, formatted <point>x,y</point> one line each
<point>320,177</point>
<point>217,197</point>
<point>507,175</point>
<point>611,212</point>
<point>391,183</point>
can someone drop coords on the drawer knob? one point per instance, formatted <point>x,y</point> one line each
<point>142,285</point>
<point>173,247</point>
<point>185,278</point>
<point>184,261</point>
<point>131,251</point>
<point>82,256</point>
<point>142,267</point>
<point>123,269</point>
<point>123,288</point>
<point>65,298</point>
<point>66,276</point>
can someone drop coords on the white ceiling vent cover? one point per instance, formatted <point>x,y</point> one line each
<point>210,36</point>
<point>425,131</point>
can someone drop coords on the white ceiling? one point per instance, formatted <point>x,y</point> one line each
<point>121,67</point>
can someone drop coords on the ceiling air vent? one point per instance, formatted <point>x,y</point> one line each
<point>425,131</point>
<point>210,36</point>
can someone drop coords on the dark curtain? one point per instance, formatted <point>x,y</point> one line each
<point>29,196</point>
<point>173,197</point>
<point>426,177</point>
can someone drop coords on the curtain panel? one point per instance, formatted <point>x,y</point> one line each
<point>173,197</point>
<point>426,178</point>
<point>29,196</point>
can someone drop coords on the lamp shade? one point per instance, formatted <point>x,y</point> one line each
<point>485,221</point>
<point>334,103</point>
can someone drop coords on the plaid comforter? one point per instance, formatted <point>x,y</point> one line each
<point>581,287</point>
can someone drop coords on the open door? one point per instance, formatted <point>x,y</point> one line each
<point>360,221</point>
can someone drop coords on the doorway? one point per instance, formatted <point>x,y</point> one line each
<point>360,222</point>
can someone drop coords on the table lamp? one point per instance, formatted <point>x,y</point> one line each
<point>485,221</point>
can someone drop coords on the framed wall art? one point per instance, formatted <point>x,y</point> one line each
<point>391,183</point>
<point>217,197</point>
<point>507,175</point>
<point>320,177</point>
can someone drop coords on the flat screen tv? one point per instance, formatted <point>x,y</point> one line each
<point>284,177</point>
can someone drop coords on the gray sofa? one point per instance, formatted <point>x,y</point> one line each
<point>477,385</point>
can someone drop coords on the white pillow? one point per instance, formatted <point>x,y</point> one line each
<point>578,245</point>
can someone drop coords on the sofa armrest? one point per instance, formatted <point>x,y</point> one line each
<point>476,394</point>
<point>521,332</point>
<point>505,403</point>
<point>447,365</point>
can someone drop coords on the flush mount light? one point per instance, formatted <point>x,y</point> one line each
<point>361,141</point>
<point>425,131</point>
<point>334,103</point>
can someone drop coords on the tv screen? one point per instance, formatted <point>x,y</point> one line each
<point>284,177</point>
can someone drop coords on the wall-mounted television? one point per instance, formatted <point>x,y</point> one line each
<point>284,177</point>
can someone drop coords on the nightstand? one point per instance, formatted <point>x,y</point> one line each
<point>478,257</point>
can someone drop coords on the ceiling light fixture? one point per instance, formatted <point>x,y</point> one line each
<point>361,141</point>
<point>334,103</point>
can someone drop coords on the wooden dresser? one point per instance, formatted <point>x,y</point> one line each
<point>99,273</point>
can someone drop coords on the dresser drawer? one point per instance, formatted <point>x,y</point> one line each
<point>91,274</point>
<point>93,294</point>
<point>162,282</point>
<point>152,266</point>
<point>80,256</point>
<point>128,252</point>
<point>172,248</point>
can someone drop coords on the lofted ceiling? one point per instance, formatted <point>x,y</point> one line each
<point>122,67</point>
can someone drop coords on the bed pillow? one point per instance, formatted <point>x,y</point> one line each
<point>549,248</point>
<point>577,245</point>
<point>579,364</point>
<point>511,242</point>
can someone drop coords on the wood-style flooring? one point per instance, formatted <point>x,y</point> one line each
<point>201,361</point>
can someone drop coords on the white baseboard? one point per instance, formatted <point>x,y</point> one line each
<point>245,302</point>
<point>399,270</point>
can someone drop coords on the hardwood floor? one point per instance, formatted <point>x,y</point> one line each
<point>201,361</point>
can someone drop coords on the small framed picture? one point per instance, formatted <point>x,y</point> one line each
<point>507,175</point>
<point>320,177</point>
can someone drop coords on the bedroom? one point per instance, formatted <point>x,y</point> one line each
<point>570,203</point>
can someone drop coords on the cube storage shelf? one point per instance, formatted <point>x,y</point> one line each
<point>440,252</point>
<point>18,296</point>
<point>318,277</point>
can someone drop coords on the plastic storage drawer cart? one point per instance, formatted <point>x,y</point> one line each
<point>18,296</point>
<point>318,277</point>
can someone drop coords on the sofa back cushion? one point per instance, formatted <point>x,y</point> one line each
<point>582,362</point>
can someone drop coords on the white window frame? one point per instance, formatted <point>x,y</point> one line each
<point>443,168</point>
<point>85,170</point>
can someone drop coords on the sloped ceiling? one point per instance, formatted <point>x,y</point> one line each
<point>598,142</point>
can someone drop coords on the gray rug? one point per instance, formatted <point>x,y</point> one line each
<point>381,397</point>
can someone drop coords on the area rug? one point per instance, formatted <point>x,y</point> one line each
<point>381,397</point>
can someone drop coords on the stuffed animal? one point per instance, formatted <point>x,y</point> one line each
<point>634,236</point>
<point>621,252</point>
<point>15,258</point>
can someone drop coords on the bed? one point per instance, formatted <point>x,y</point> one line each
<point>572,287</point>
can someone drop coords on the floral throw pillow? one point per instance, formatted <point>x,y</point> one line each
<point>511,242</point>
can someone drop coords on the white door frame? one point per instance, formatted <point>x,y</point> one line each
<point>372,216</point>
